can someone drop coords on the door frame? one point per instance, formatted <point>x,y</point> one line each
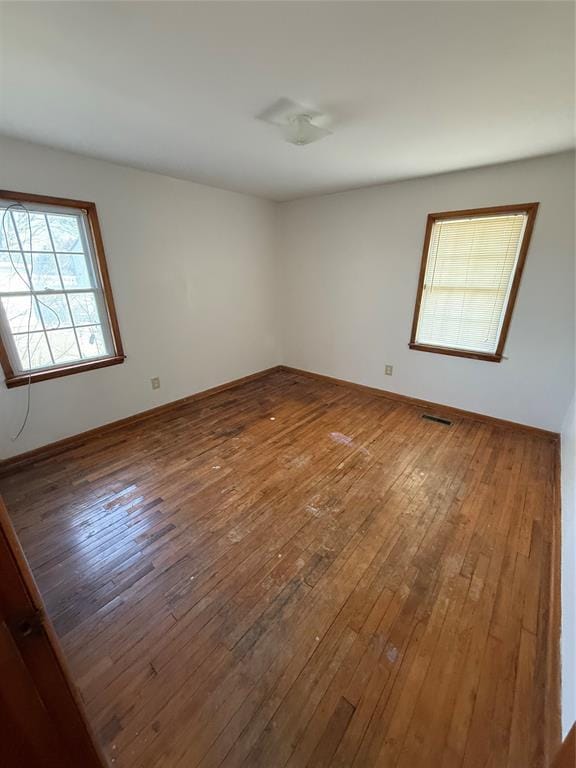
<point>41,711</point>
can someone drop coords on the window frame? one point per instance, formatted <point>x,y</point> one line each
<point>530,210</point>
<point>13,379</point>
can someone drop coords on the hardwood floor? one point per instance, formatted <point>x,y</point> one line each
<point>296,574</point>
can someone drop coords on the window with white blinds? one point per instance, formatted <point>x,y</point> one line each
<point>469,273</point>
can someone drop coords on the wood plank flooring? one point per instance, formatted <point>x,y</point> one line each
<point>292,574</point>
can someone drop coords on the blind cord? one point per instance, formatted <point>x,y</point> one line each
<point>20,206</point>
<point>28,282</point>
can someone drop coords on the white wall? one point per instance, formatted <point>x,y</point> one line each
<point>568,560</point>
<point>192,275</point>
<point>349,267</point>
<point>203,279</point>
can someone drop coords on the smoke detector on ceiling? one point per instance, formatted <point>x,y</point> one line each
<point>299,124</point>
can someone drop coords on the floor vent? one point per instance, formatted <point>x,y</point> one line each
<point>439,419</point>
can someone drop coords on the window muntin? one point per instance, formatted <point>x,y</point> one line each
<point>471,268</point>
<point>55,308</point>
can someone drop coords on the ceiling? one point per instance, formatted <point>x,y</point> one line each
<point>411,88</point>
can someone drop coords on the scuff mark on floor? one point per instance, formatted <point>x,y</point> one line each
<point>338,437</point>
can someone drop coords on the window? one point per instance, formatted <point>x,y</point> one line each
<point>57,315</point>
<point>471,268</point>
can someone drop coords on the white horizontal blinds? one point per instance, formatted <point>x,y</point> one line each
<point>52,307</point>
<point>469,272</point>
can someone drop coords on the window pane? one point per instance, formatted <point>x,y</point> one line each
<point>463,319</point>
<point>8,237</point>
<point>12,273</point>
<point>21,313</point>
<point>54,309</point>
<point>63,346</point>
<point>32,226</point>
<point>37,355</point>
<point>84,308</point>
<point>43,271</point>
<point>65,232</point>
<point>91,341</point>
<point>74,271</point>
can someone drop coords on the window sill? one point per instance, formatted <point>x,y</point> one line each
<point>490,357</point>
<point>22,379</point>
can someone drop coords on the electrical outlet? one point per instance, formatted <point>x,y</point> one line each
<point>155,382</point>
<point>388,370</point>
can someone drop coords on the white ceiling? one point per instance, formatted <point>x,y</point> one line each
<point>412,88</point>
